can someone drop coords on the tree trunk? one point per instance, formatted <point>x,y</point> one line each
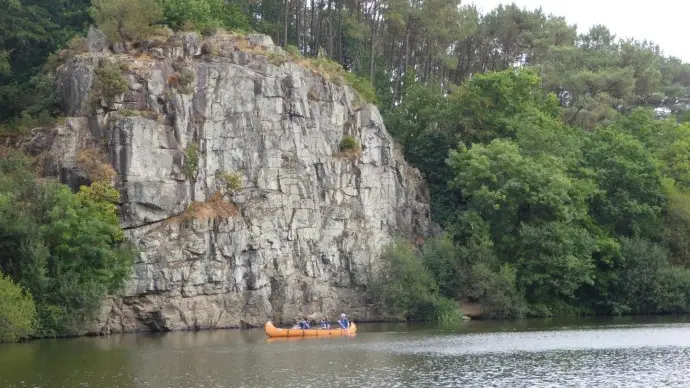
<point>372,51</point>
<point>402,63</point>
<point>287,12</point>
<point>329,32</point>
<point>313,28</point>
<point>298,22</point>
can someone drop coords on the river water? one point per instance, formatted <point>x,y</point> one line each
<point>584,352</point>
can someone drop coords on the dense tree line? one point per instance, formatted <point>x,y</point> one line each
<point>594,75</point>
<point>557,159</point>
<point>543,217</point>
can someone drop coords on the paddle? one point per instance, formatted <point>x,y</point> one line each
<point>347,329</point>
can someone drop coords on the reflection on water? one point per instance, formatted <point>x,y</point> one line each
<point>594,352</point>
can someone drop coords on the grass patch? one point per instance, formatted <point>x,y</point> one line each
<point>149,114</point>
<point>231,181</point>
<point>444,311</point>
<point>95,165</point>
<point>129,112</point>
<point>214,207</point>
<point>349,148</point>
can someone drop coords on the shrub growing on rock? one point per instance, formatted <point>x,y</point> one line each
<point>349,143</point>
<point>191,160</point>
<point>232,181</point>
<point>109,82</point>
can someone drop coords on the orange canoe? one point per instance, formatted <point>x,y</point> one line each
<point>273,331</point>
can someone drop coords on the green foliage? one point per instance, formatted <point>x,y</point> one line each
<point>630,200</point>
<point>676,223</point>
<point>29,32</point>
<point>109,82</point>
<point>232,181</point>
<point>203,15</point>
<point>403,287</point>
<point>124,20</point>
<point>191,161</point>
<point>440,257</point>
<point>648,283</point>
<point>361,85</point>
<point>17,311</point>
<point>188,14</point>
<point>495,104</point>
<point>444,310</point>
<point>349,143</point>
<point>66,249</point>
<point>497,291</point>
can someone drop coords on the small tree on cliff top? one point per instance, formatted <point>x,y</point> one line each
<point>124,20</point>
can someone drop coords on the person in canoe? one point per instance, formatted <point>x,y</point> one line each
<point>325,324</point>
<point>344,322</point>
<point>302,324</point>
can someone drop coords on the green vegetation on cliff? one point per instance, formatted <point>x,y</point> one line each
<point>67,250</point>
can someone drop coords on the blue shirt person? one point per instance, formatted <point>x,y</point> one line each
<point>344,322</point>
<point>302,324</point>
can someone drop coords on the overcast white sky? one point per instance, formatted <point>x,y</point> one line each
<point>661,21</point>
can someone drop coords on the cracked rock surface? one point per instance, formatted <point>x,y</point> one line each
<point>303,233</point>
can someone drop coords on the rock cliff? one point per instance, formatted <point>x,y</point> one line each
<point>233,184</point>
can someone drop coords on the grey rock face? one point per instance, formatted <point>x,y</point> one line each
<point>191,43</point>
<point>74,83</point>
<point>96,40</point>
<point>303,233</point>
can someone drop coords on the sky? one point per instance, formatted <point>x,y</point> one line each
<point>661,21</point>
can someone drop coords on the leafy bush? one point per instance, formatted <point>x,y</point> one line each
<point>403,288</point>
<point>68,250</point>
<point>440,257</point>
<point>124,20</point>
<point>109,82</point>
<point>497,291</point>
<point>77,45</point>
<point>191,161</point>
<point>647,283</point>
<point>349,143</point>
<point>203,15</point>
<point>444,310</point>
<point>17,311</point>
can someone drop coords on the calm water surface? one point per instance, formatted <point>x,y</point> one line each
<point>621,352</point>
